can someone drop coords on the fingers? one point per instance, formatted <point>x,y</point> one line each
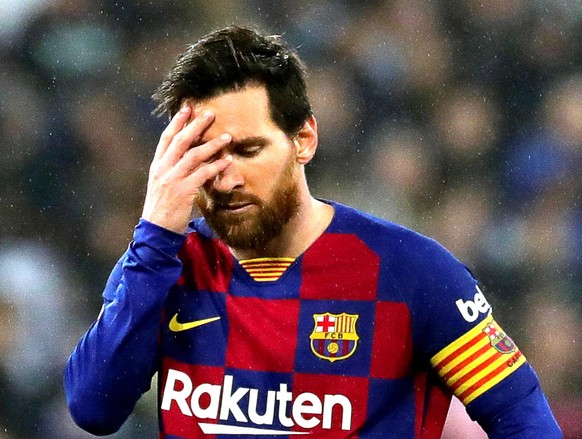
<point>181,165</point>
<point>174,127</point>
<point>204,154</point>
<point>189,136</point>
<point>208,171</point>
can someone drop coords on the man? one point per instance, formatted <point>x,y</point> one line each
<point>277,314</point>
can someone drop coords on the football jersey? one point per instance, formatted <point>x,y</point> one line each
<point>367,334</point>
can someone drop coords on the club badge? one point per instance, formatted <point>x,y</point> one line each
<point>498,339</point>
<point>334,336</point>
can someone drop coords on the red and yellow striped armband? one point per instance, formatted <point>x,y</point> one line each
<point>478,360</point>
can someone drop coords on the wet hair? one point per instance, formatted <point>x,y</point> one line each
<point>229,59</point>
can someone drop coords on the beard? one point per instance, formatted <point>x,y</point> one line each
<point>261,224</point>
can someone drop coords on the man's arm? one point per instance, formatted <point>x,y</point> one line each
<point>489,374</point>
<point>473,356</point>
<point>113,363</point>
<point>115,360</point>
<point>508,412</point>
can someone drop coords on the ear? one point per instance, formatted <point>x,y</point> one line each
<point>306,141</point>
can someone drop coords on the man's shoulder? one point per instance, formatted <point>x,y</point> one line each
<point>396,242</point>
<point>349,219</point>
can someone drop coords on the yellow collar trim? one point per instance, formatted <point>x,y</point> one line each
<point>266,269</point>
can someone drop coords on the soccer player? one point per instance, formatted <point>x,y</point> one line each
<point>276,313</point>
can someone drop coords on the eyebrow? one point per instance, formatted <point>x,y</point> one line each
<point>250,141</point>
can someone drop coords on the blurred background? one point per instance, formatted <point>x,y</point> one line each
<point>459,118</point>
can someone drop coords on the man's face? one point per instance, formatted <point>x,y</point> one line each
<point>250,202</point>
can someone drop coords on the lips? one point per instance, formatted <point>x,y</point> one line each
<point>235,207</point>
<point>232,202</point>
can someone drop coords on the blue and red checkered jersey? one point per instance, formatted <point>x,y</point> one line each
<point>368,334</point>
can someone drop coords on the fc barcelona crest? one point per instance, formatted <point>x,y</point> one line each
<point>498,339</point>
<point>334,336</point>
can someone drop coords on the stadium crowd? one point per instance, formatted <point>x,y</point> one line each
<point>459,118</point>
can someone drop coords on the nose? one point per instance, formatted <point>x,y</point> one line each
<point>229,179</point>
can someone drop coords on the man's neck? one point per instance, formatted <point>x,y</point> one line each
<point>310,221</point>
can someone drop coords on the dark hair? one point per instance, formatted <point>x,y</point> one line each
<point>229,59</point>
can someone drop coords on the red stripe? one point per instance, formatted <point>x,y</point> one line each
<point>271,270</point>
<point>482,381</point>
<point>264,265</point>
<point>466,361</point>
<point>345,347</point>
<point>475,371</point>
<point>320,346</point>
<point>459,351</point>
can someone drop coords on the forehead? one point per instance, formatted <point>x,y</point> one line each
<point>240,113</point>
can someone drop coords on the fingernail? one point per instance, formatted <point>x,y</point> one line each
<point>225,137</point>
<point>208,114</point>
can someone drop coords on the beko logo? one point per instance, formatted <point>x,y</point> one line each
<point>471,309</point>
<point>308,410</point>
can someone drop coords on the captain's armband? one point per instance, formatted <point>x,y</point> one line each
<point>478,360</point>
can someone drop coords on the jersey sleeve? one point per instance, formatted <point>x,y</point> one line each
<point>478,360</point>
<point>114,361</point>
<point>479,363</point>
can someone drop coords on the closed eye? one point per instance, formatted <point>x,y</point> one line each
<point>248,151</point>
<point>250,146</point>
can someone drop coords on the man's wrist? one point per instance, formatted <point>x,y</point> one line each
<point>153,235</point>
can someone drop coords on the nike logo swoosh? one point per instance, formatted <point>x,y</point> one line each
<point>175,326</point>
